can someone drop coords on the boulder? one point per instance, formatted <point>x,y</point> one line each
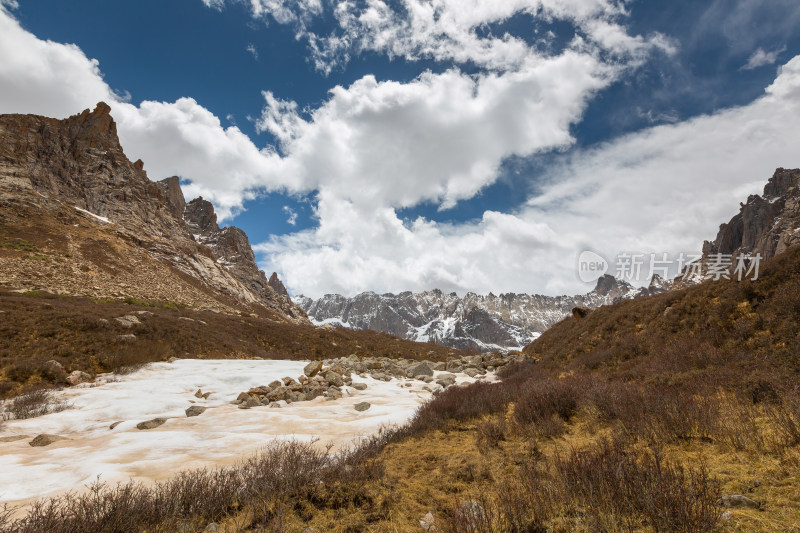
<point>195,410</point>
<point>362,406</point>
<point>45,439</point>
<point>334,378</point>
<point>128,321</point>
<point>250,401</point>
<point>418,370</point>
<point>277,394</point>
<point>198,394</point>
<point>472,372</point>
<point>150,424</point>
<point>78,377</point>
<point>359,386</point>
<point>738,501</point>
<point>312,368</point>
<point>115,424</point>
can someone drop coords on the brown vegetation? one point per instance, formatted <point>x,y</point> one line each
<point>82,334</point>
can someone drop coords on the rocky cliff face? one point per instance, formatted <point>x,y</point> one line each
<point>766,224</point>
<point>78,217</point>
<point>491,322</point>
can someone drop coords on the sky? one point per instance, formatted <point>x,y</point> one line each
<point>464,145</point>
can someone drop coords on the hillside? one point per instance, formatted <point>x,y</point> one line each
<point>79,218</point>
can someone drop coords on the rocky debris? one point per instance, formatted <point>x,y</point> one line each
<point>333,378</point>
<point>471,514</point>
<point>45,439</point>
<point>128,321</point>
<point>127,339</point>
<point>362,406</point>
<point>195,410</point>
<point>198,393</point>
<point>115,424</point>
<point>150,424</point>
<point>78,376</point>
<point>312,368</point>
<point>738,501</point>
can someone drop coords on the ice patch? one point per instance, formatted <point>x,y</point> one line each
<point>98,217</point>
<point>220,436</point>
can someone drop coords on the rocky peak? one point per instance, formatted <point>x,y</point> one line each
<point>171,187</point>
<point>765,225</point>
<point>200,215</point>
<point>277,284</point>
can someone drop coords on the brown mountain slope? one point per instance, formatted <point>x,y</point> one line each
<point>721,330</point>
<point>77,217</point>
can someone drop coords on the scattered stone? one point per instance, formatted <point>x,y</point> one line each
<point>427,522</point>
<point>150,424</point>
<point>103,322</point>
<point>199,393</point>
<point>334,378</point>
<point>471,372</point>
<point>250,402</point>
<point>471,514</point>
<point>14,438</point>
<point>115,424</point>
<point>195,410</point>
<point>359,386</point>
<point>362,406</point>
<point>274,406</point>
<point>420,369</point>
<point>45,439</point>
<point>128,339</point>
<point>206,395</point>
<point>580,312</point>
<point>738,501</point>
<point>128,321</point>
<point>54,365</point>
<point>77,377</point>
<point>312,368</point>
<point>726,516</point>
<point>212,527</point>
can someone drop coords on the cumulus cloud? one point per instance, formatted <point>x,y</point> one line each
<point>181,137</point>
<point>253,51</point>
<point>291,215</point>
<point>663,190</point>
<point>761,58</point>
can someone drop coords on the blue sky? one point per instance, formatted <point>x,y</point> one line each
<point>555,93</point>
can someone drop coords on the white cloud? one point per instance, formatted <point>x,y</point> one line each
<point>291,214</point>
<point>253,51</point>
<point>761,58</point>
<point>182,137</point>
<point>665,189</point>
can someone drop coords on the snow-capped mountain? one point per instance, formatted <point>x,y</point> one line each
<point>491,322</point>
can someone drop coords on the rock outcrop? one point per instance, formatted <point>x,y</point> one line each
<point>766,224</point>
<point>80,218</point>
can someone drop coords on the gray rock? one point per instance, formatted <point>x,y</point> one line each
<point>77,377</point>
<point>45,439</point>
<point>359,386</point>
<point>128,321</point>
<point>362,406</point>
<point>212,527</point>
<point>127,339</point>
<point>195,410</point>
<point>419,369</point>
<point>472,372</point>
<point>312,368</point>
<point>151,424</point>
<point>738,501</point>
<point>249,402</point>
<point>334,378</point>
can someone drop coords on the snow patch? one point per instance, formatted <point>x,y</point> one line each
<point>98,217</point>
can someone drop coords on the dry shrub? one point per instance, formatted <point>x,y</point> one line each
<point>462,403</point>
<point>35,402</point>
<point>544,406</point>
<point>620,486</point>
<point>489,433</point>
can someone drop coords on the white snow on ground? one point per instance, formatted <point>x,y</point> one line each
<point>98,217</point>
<point>220,436</point>
<point>334,321</point>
